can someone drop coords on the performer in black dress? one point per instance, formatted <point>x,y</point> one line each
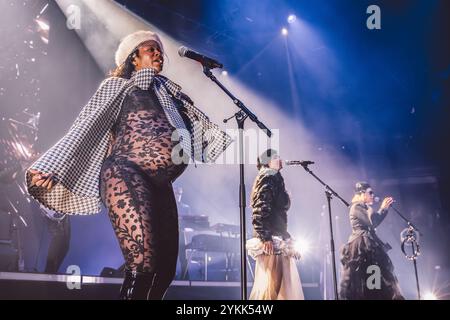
<point>364,249</point>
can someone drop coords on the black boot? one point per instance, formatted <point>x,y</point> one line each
<point>136,285</point>
<point>158,288</point>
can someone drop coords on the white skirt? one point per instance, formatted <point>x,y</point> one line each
<point>276,278</point>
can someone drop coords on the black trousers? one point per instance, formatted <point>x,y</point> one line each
<point>59,243</point>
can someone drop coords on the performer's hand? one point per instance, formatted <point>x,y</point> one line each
<point>268,247</point>
<point>387,202</point>
<point>40,179</point>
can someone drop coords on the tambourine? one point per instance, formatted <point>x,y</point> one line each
<point>410,238</point>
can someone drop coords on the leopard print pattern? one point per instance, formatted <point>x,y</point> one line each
<point>136,186</point>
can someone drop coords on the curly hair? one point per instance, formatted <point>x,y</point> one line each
<point>125,69</point>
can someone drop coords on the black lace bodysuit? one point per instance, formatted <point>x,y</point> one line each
<point>136,186</point>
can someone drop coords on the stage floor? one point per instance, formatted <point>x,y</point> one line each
<point>40,286</point>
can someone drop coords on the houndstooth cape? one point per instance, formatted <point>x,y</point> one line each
<point>77,158</point>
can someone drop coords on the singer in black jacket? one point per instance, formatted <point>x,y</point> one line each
<point>270,203</point>
<point>276,275</point>
<point>365,253</point>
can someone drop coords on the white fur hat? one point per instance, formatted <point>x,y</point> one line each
<point>132,41</point>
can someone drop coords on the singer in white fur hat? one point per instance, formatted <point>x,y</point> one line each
<point>128,55</point>
<point>125,149</point>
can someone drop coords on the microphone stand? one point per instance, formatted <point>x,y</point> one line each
<point>240,117</point>
<point>409,237</point>
<point>406,220</point>
<point>329,193</point>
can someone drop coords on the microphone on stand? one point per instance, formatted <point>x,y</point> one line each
<point>204,60</point>
<point>298,163</point>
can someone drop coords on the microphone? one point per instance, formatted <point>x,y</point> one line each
<point>298,163</point>
<point>204,60</point>
<point>378,199</point>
